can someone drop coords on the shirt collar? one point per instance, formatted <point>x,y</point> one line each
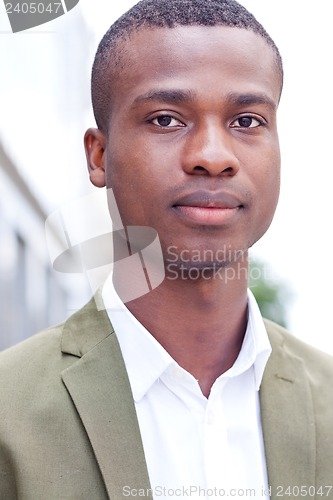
<point>256,347</point>
<point>146,360</point>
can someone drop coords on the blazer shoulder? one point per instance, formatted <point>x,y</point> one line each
<point>31,356</point>
<point>74,336</point>
<point>315,361</point>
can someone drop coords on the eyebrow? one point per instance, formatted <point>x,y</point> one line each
<point>250,99</point>
<point>177,96</point>
<point>166,96</point>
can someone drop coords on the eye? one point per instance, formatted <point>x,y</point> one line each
<point>166,121</point>
<point>246,122</point>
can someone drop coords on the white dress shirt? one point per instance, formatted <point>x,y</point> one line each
<point>195,447</point>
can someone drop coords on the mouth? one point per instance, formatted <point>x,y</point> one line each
<point>208,208</point>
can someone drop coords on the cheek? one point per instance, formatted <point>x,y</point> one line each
<point>274,175</point>
<point>271,166</point>
<point>269,193</point>
<point>265,183</point>
<point>139,166</point>
<point>133,184</point>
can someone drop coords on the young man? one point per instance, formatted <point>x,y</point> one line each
<point>185,391</point>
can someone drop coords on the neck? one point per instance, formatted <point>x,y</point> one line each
<point>201,323</point>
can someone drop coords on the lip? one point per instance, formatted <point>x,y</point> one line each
<point>208,208</point>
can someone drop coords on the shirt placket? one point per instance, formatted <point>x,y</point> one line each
<point>218,469</point>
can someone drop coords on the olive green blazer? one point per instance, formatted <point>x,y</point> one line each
<point>68,427</point>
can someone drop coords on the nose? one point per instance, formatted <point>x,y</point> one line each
<point>209,151</point>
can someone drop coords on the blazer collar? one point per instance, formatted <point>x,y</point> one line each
<point>287,419</point>
<point>85,329</point>
<point>99,387</point>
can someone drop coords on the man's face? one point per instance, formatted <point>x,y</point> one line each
<point>192,147</point>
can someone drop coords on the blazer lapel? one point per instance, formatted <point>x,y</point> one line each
<point>287,422</point>
<point>100,390</point>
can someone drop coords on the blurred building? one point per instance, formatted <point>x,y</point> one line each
<point>45,108</point>
<point>32,296</point>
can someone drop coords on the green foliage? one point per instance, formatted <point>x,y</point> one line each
<point>272,295</point>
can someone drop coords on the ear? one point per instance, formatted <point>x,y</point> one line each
<point>94,145</point>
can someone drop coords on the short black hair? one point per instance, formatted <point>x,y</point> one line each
<point>164,14</point>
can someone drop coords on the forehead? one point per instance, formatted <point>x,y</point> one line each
<point>209,58</point>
